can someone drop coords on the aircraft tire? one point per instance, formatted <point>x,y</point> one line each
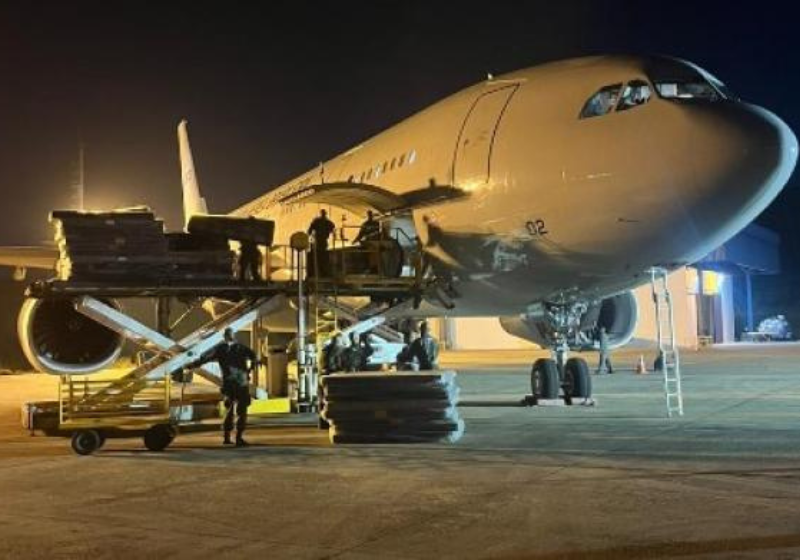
<point>158,437</point>
<point>577,382</point>
<point>86,442</point>
<point>544,379</point>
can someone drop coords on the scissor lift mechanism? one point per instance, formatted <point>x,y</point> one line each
<point>141,398</point>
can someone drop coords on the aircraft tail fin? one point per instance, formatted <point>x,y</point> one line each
<point>193,202</point>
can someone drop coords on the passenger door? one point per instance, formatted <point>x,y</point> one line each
<point>472,161</point>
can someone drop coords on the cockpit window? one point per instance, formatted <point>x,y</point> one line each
<point>636,93</point>
<point>688,90</point>
<point>602,102</point>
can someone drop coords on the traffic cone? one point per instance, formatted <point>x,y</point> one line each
<point>640,367</point>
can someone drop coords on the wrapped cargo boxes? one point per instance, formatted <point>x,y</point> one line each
<point>392,407</point>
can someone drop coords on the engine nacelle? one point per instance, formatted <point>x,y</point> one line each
<point>57,339</point>
<point>619,315</point>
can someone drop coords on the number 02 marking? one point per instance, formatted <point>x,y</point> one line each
<point>536,227</point>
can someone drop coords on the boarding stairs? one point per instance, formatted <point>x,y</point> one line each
<point>668,355</point>
<point>84,399</point>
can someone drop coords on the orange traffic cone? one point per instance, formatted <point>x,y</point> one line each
<point>640,367</point>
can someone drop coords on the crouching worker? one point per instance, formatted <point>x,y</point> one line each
<point>425,350</point>
<point>334,355</point>
<point>236,362</point>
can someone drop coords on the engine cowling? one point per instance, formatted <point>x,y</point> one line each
<point>619,315</point>
<point>57,339</point>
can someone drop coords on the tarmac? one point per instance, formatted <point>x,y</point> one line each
<point>615,480</point>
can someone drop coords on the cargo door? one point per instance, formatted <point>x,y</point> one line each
<point>472,161</point>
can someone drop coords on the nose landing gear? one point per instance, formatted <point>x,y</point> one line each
<point>561,378</point>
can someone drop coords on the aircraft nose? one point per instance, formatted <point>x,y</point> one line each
<point>744,156</point>
<point>770,150</point>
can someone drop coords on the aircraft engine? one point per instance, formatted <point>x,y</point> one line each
<point>57,339</point>
<point>618,314</point>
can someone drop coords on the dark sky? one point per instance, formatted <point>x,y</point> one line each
<point>272,88</point>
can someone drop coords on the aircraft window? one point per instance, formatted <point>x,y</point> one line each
<point>391,165</point>
<point>401,161</point>
<point>635,93</point>
<point>412,157</point>
<point>377,171</point>
<point>361,177</point>
<point>350,179</point>
<point>602,102</point>
<point>688,90</point>
<point>385,167</point>
<point>369,174</point>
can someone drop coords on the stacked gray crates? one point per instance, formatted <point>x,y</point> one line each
<point>392,407</point>
<point>109,246</point>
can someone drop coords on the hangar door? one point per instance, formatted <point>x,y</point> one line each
<point>472,162</point>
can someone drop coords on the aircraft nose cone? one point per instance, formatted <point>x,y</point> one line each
<point>744,156</point>
<point>770,153</point>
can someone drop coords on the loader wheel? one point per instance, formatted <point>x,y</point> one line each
<point>86,442</point>
<point>158,437</point>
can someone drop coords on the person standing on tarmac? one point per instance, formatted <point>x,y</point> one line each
<point>605,353</point>
<point>236,361</point>
<point>320,230</point>
<point>425,349</point>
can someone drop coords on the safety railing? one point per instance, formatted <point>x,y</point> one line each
<point>92,402</point>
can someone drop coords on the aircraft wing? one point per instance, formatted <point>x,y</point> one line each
<point>29,257</point>
<point>359,197</point>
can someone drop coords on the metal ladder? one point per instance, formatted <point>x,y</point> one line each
<point>665,337</point>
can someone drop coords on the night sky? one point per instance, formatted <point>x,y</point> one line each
<point>270,88</point>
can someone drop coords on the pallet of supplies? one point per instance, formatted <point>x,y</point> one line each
<point>260,232</point>
<point>392,407</point>
<point>199,257</point>
<point>109,246</point>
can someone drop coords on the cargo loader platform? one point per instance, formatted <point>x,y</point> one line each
<point>231,290</point>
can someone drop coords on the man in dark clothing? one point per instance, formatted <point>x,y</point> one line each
<point>334,356</point>
<point>320,230</point>
<point>236,361</point>
<point>370,230</point>
<point>605,353</point>
<point>249,261</point>
<point>404,359</point>
<point>425,349</point>
<point>365,351</point>
<point>352,355</point>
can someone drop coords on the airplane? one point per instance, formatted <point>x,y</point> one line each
<point>544,196</point>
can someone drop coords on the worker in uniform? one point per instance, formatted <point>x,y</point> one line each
<point>353,355</point>
<point>365,351</point>
<point>425,349</point>
<point>370,230</point>
<point>334,357</point>
<point>605,353</point>
<point>404,359</point>
<point>236,361</point>
<point>249,261</point>
<point>320,230</point>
